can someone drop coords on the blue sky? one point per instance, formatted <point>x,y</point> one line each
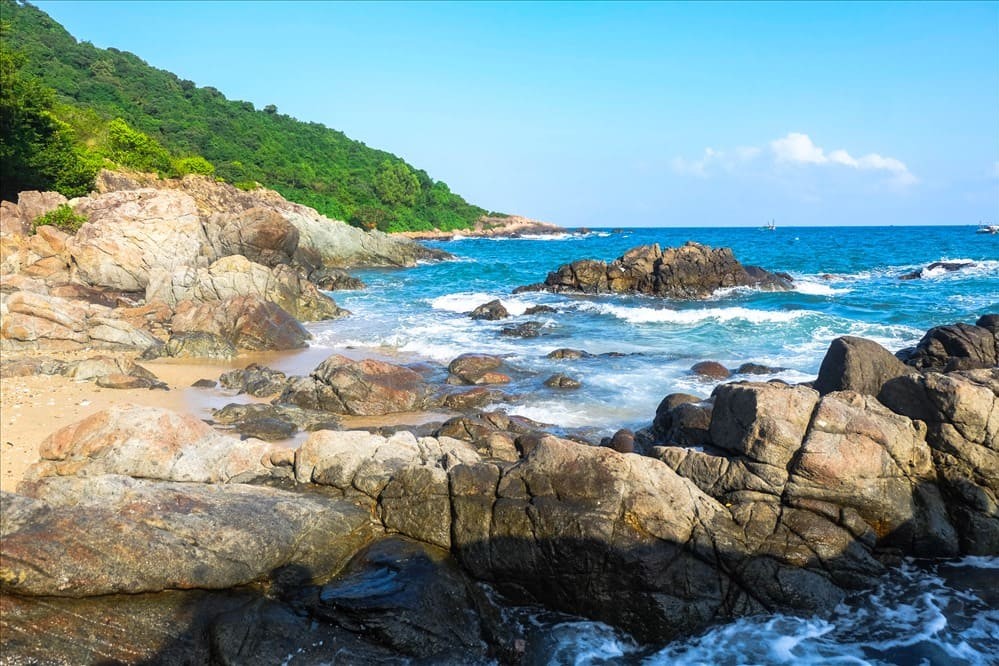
<point>622,114</point>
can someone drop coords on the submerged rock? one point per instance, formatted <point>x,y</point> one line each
<point>692,271</point>
<point>490,311</point>
<point>561,381</point>
<point>529,329</point>
<point>477,369</point>
<point>710,370</point>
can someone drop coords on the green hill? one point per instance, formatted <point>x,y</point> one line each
<point>99,106</point>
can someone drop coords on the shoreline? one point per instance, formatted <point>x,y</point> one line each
<point>513,226</point>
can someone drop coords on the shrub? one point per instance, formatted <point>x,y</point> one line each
<point>61,217</point>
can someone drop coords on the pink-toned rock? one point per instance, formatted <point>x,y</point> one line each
<point>246,321</point>
<point>34,204</point>
<point>12,223</point>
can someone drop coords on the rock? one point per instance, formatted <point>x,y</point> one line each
<point>260,234</point>
<point>491,311</point>
<point>28,367</point>
<point>257,380</point>
<point>235,276</point>
<point>935,268</point>
<point>989,322</point>
<point>12,222</point>
<point>99,366</point>
<point>246,321</point>
<point>150,443</point>
<point>113,534</point>
<point>334,279</point>
<point>955,347</point>
<point>205,383</point>
<point>961,413</point>
<point>108,298</point>
<point>623,441</point>
<point>539,309</point>
<point>757,369</point>
<point>566,354</point>
<point>32,204</point>
<point>122,381</point>
<point>475,398</point>
<point>367,388</point>
<point>238,414</point>
<point>195,344</point>
<point>682,419</point>
<point>856,364</point>
<point>133,233</point>
<point>690,272</point>
<point>710,370</point>
<point>529,329</point>
<point>477,369</point>
<point>561,381</point>
<point>267,429</point>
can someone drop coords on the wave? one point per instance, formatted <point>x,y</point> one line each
<point>812,288</point>
<point>646,315</point>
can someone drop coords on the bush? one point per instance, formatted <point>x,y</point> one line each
<point>63,218</point>
<point>197,164</point>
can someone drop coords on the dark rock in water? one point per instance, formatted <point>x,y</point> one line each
<point>949,266</point>
<point>257,380</point>
<point>857,364</point>
<point>561,381</point>
<point>566,354</point>
<point>205,383</point>
<point>529,329</point>
<point>267,429</point>
<point>335,279</point>
<point>710,370</point>
<point>623,441</point>
<point>476,369</point>
<point>757,369</point>
<point>667,416</point>
<point>239,414</point>
<point>955,347</point>
<point>539,309</point>
<point>362,388</point>
<point>690,272</point>
<point>196,344</point>
<point>472,399</point>
<point>959,410</point>
<point>412,598</point>
<point>490,311</point>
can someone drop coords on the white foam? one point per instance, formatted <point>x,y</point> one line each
<point>464,301</point>
<point>818,289</point>
<point>646,315</point>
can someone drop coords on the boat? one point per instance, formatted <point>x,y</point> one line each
<point>988,229</point>
<point>769,227</point>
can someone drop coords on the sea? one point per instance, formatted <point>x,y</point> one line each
<point>846,283</point>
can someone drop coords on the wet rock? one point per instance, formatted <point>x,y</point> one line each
<point>267,429</point>
<point>561,381</point>
<point>529,329</point>
<point>257,380</point>
<point>477,369</point>
<point>237,414</point>
<point>539,309</point>
<point>682,419</point>
<point>205,383</point>
<point>334,279</point>
<point>954,347</point>
<point>364,388</point>
<point>691,271</point>
<point>245,321</point>
<point>112,534</point>
<point>472,399</point>
<point>856,364</point>
<point>490,311</point>
<point>947,266</point>
<point>757,369</point>
<point>710,370</point>
<point>566,354</point>
<point>623,441</point>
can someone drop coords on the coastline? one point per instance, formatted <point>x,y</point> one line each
<point>512,226</point>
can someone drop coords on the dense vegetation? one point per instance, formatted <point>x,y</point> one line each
<point>106,105</point>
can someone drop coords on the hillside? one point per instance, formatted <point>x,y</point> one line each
<point>112,105</point>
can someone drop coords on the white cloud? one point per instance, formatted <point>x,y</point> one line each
<point>799,148</point>
<point>727,160</point>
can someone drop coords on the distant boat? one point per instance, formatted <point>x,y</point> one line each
<point>987,229</point>
<point>769,227</point>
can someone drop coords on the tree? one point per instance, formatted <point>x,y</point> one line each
<point>396,185</point>
<point>131,148</point>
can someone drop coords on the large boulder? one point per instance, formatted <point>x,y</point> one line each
<point>108,534</point>
<point>692,271</point>
<point>857,364</point>
<point>477,369</point>
<point>152,443</point>
<point>368,388</point>
<point>248,322</point>
<point>956,347</point>
<point>130,234</point>
<point>260,234</point>
<point>234,276</point>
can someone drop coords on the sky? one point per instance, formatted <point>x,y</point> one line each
<point>621,114</point>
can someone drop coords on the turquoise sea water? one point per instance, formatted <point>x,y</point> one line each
<point>846,283</point>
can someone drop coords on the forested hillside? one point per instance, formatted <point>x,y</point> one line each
<point>70,107</point>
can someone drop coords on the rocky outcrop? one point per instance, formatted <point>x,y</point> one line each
<point>369,387</point>
<point>856,364</point>
<point>477,369</point>
<point>257,380</point>
<point>956,347</point>
<point>262,235</point>
<point>235,276</point>
<point>245,321</point>
<point>196,344</point>
<point>689,272</point>
<point>490,311</point>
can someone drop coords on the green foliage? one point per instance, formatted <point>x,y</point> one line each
<point>62,217</point>
<point>306,162</point>
<point>37,150</point>
<point>196,164</point>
